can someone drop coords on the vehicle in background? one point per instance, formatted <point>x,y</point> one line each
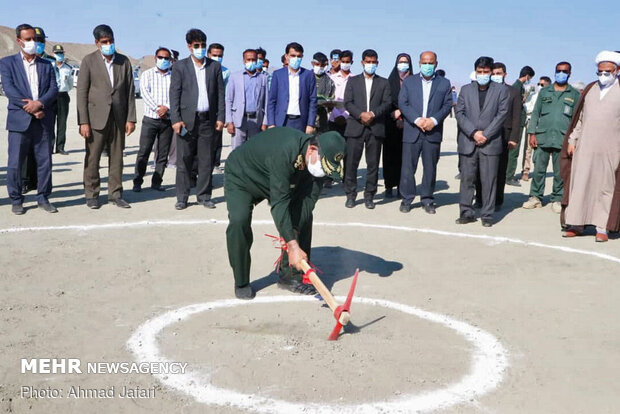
<point>75,72</point>
<point>136,81</point>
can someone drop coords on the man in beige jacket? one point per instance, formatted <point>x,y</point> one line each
<point>106,113</point>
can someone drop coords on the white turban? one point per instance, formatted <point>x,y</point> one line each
<point>608,56</point>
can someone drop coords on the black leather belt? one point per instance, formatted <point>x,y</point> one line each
<point>293,116</point>
<point>251,115</point>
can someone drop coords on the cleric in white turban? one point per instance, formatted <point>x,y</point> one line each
<point>594,145</point>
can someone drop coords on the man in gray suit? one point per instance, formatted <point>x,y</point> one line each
<point>481,110</point>
<point>246,101</point>
<point>106,113</point>
<point>197,110</point>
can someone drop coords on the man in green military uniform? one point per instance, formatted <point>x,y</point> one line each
<point>550,119</point>
<point>287,168</point>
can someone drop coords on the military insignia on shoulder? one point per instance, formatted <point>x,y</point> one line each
<point>339,157</point>
<point>299,163</point>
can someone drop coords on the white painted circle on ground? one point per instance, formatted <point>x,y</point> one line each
<point>489,361</point>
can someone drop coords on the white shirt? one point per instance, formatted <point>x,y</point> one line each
<point>155,91</point>
<point>368,82</point>
<point>293,93</point>
<point>33,77</point>
<point>108,66</point>
<point>201,78</point>
<point>607,88</point>
<point>340,82</point>
<point>426,95</point>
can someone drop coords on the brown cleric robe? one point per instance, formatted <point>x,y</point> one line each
<point>613,223</point>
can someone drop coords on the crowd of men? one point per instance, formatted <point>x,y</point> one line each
<point>188,102</point>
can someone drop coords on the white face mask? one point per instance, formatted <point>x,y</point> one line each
<point>318,70</point>
<point>315,169</point>
<point>30,47</point>
<point>345,66</point>
<point>606,78</point>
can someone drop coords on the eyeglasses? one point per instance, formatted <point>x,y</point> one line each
<point>163,57</point>
<point>199,45</point>
<point>541,84</point>
<point>603,72</point>
<point>563,71</point>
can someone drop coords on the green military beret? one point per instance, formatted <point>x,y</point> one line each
<point>332,148</point>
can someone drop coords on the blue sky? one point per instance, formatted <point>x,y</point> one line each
<point>516,33</point>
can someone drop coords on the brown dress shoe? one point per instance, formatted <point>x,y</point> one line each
<point>601,237</point>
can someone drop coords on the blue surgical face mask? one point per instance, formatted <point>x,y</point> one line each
<point>497,78</point>
<point>163,64</point>
<point>40,48</point>
<point>259,63</point>
<point>108,50</point>
<point>403,67</point>
<point>561,78</point>
<point>345,66</point>
<point>250,66</point>
<point>427,69</point>
<point>199,53</point>
<point>218,59</point>
<point>483,79</point>
<point>60,57</point>
<point>370,68</point>
<point>294,62</point>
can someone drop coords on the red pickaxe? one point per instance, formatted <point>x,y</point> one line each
<point>341,312</point>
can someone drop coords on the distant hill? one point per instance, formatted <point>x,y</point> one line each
<point>74,52</point>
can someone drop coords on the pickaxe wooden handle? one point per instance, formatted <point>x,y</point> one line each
<point>344,316</point>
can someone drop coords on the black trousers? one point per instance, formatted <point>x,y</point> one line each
<point>62,112</point>
<point>29,170</point>
<point>153,129</point>
<point>196,144</point>
<point>392,155</point>
<point>501,179</point>
<point>429,151</point>
<point>473,166</point>
<point>355,147</point>
<point>217,160</point>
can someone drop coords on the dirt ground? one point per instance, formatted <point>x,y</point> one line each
<point>72,291</point>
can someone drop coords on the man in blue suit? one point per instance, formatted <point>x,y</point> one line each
<point>30,84</point>
<point>425,100</point>
<point>292,97</point>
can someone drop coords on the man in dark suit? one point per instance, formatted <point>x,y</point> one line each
<point>292,94</point>
<point>197,111</point>
<point>30,85</point>
<point>368,100</point>
<point>425,100</point>
<point>481,110</point>
<point>510,134</point>
<point>106,110</point>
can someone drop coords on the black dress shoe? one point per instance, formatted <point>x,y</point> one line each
<point>157,187</point>
<point>389,193</point>
<point>487,222</point>
<point>246,292</point>
<point>350,203</point>
<point>430,208</point>
<point>62,152</point>
<point>119,202</point>
<point>92,203</point>
<point>465,220</point>
<point>208,204</point>
<point>405,208</point>
<point>49,207</point>
<point>136,188</point>
<point>296,286</point>
<point>180,205</point>
<point>369,204</point>
<point>17,209</point>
